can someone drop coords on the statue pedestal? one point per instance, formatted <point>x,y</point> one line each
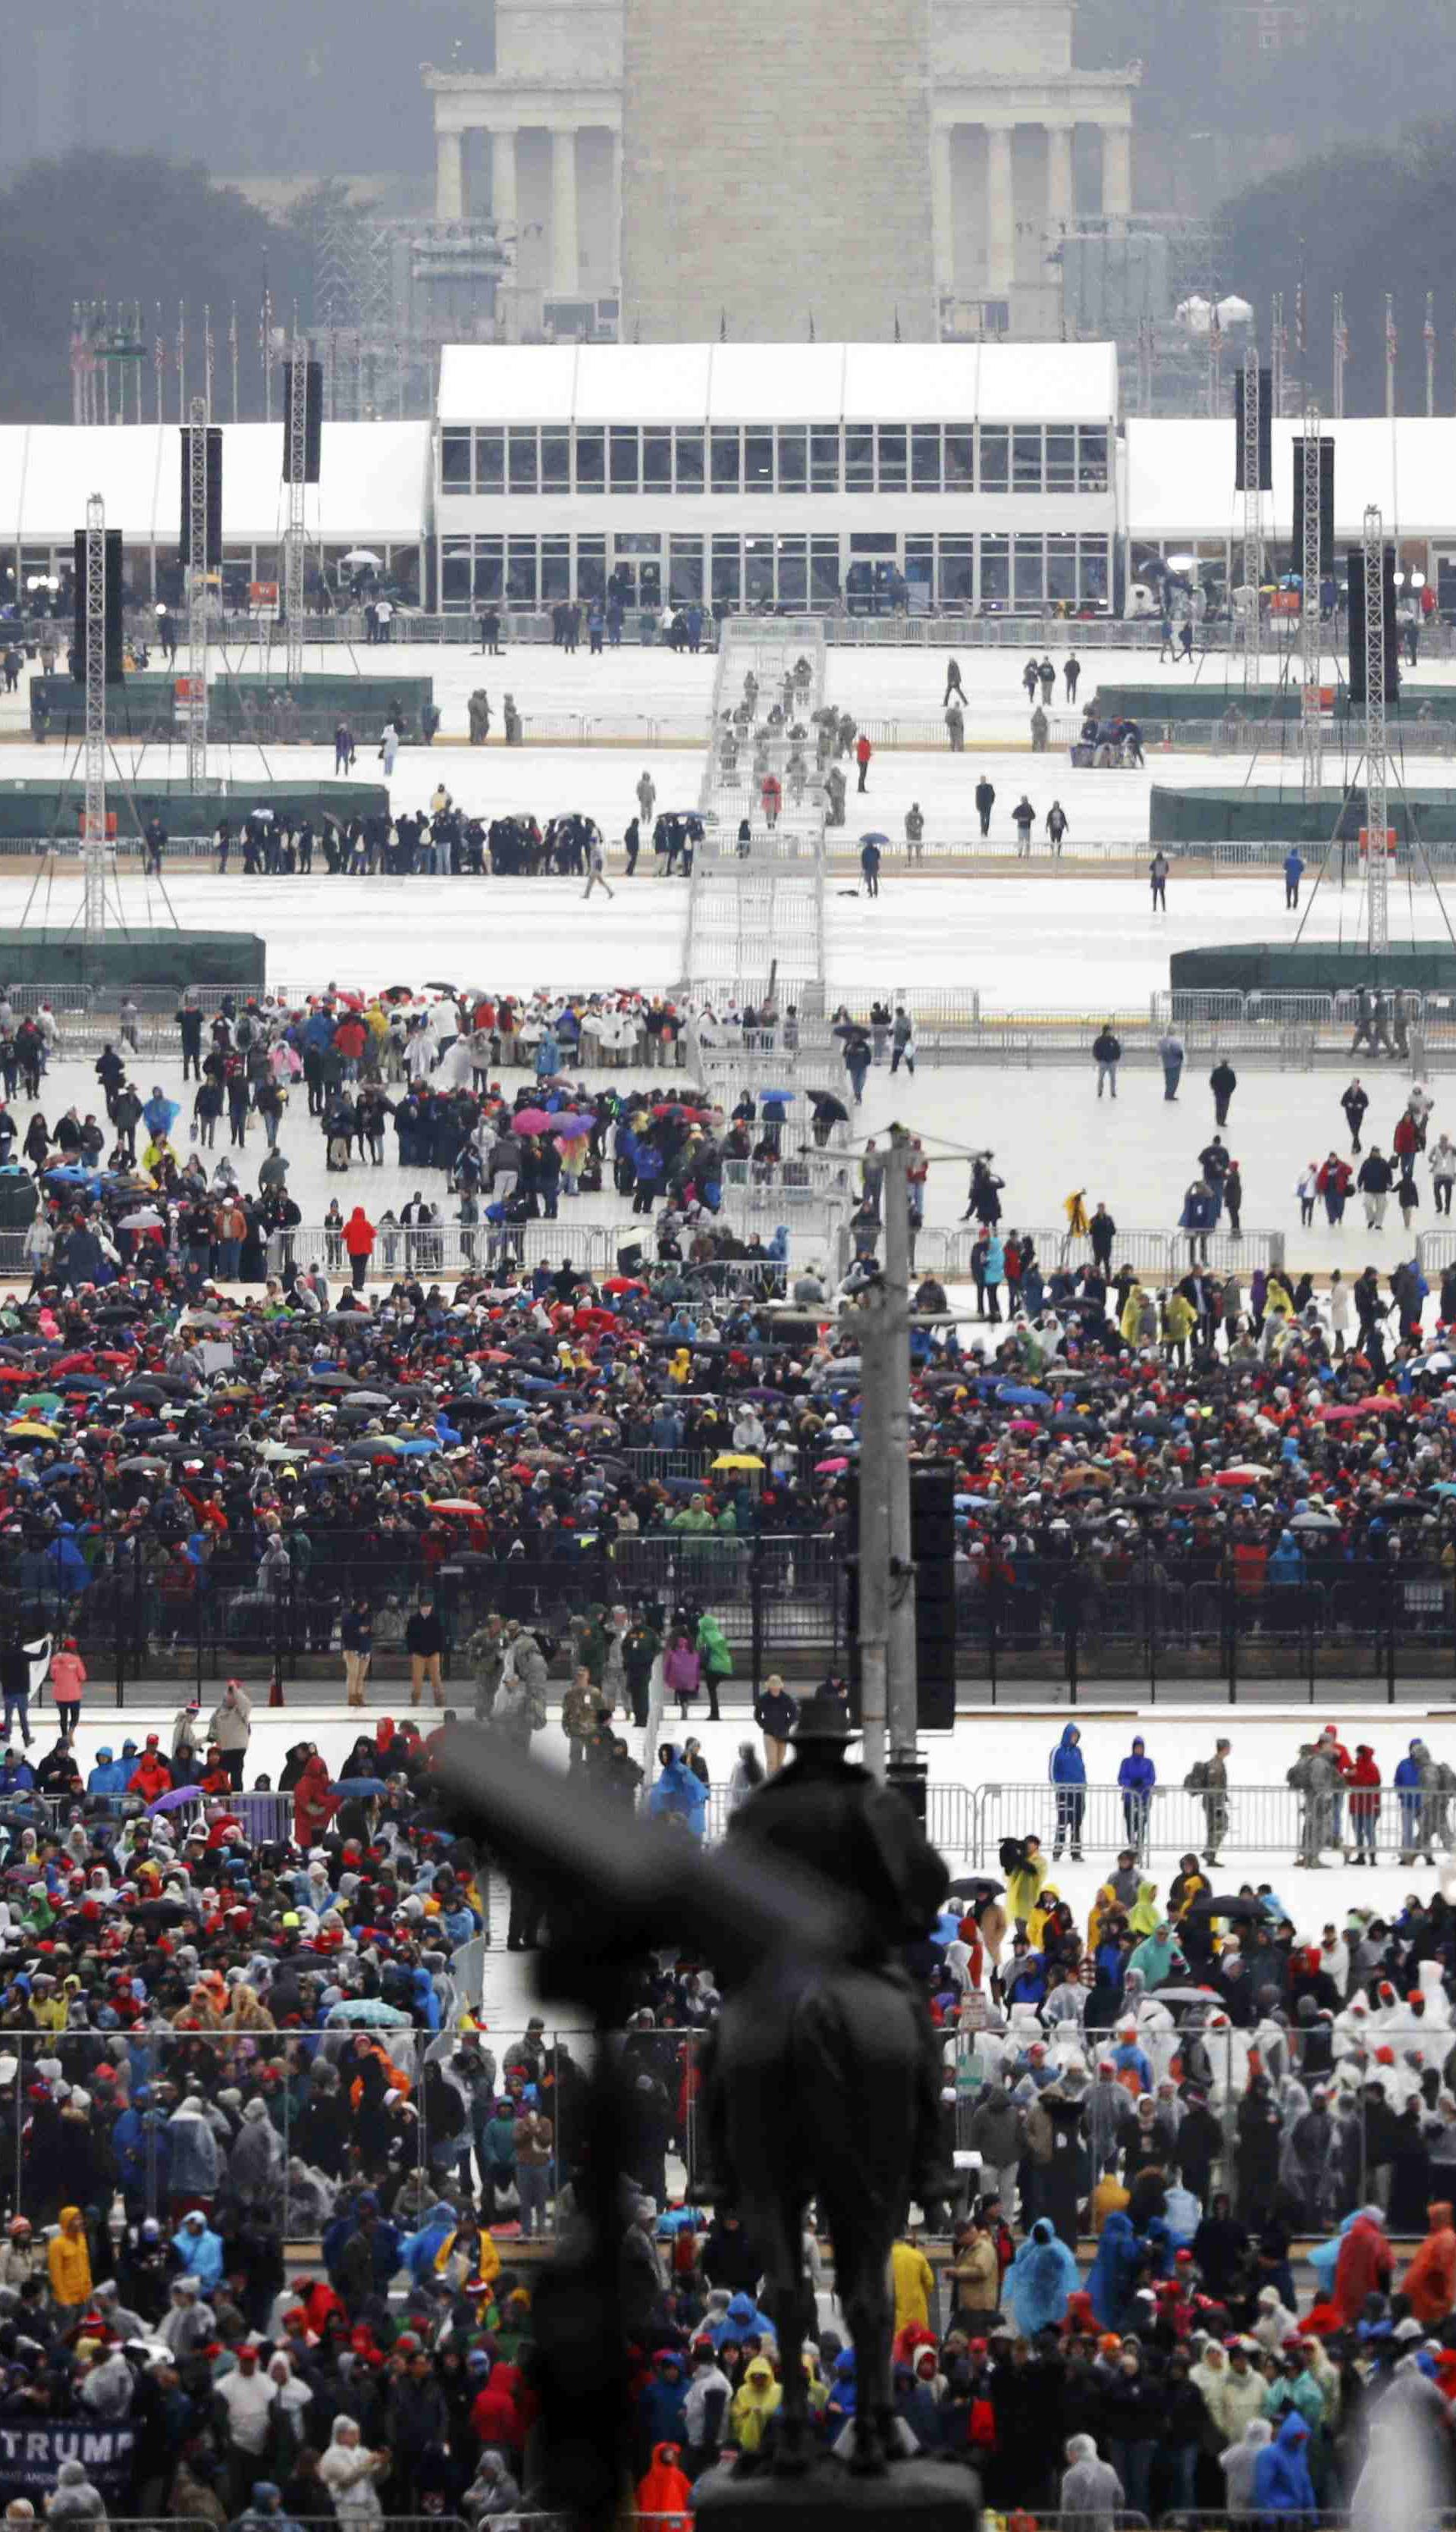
<point>917,2495</point>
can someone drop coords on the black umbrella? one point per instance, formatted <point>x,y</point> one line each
<point>976,1885</point>
<point>1250,1910</point>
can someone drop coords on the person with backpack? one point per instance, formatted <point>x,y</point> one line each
<point>1066,1769</point>
<point>1209,1777</point>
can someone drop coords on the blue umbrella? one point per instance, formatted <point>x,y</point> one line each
<point>368,2009</point>
<point>1011,1396</point>
<point>532,1380</point>
<point>778,1094</point>
<point>365,1787</point>
<point>417,1450</point>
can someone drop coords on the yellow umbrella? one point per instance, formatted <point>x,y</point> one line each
<point>737,1460</point>
<point>29,1430</point>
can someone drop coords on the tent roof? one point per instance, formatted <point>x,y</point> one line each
<point>1179,476</point>
<point>606,382</point>
<point>375,487</point>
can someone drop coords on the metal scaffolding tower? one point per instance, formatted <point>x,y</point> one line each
<point>1376,735</point>
<point>196,596</point>
<point>97,853</point>
<point>1312,727</point>
<point>1253,524</point>
<point>294,541</point>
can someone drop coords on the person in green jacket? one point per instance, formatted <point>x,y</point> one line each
<point>694,1516</point>
<point>594,1644</point>
<point>717,1661</point>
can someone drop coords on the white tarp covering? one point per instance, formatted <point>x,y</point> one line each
<point>1180,477</point>
<point>374,488</point>
<point>779,382</point>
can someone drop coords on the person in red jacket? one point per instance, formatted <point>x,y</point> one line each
<point>312,1803</point>
<point>665,2493</point>
<point>152,1777</point>
<point>359,1241</point>
<point>495,2418</point>
<point>1364,1780</point>
<point>862,754</point>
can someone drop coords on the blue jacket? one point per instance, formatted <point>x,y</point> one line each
<point>1138,1774</point>
<point>679,1795</point>
<point>1408,1774</point>
<point>201,2255</point>
<point>1067,1765</point>
<point>1041,2278</point>
<point>1113,2276</point>
<point>1281,2475</point>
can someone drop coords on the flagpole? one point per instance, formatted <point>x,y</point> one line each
<point>1429,353</point>
<point>208,357</point>
<point>181,361</point>
<point>1390,350</point>
<point>1341,345</point>
<point>159,359</point>
<point>232,336</point>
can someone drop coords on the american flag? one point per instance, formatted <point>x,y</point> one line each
<point>1299,319</point>
<point>1430,318</point>
<point>1392,338</point>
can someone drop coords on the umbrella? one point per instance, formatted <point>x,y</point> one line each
<point>533,1120</point>
<point>1249,1910</point>
<point>976,1885</point>
<point>368,2009</point>
<point>174,1801</point>
<point>1351,1413</point>
<point>574,1125</point>
<point>144,1466</point>
<point>778,1094</point>
<point>1009,1395</point>
<point>829,1468</point>
<point>737,1460</point>
<point>1314,1521</point>
<point>361,555</point>
<point>363,1787</point>
<point>146,1218</point>
<point>1244,1472</point>
<point>41,1401</point>
<point>874,838</point>
<point>461,1505</point>
<point>29,1430</point>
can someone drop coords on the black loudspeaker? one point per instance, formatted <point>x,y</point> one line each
<point>933,1545</point>
<point>1359,693</point>
<point>1326,504</point>
<point>213,556</point>
<point>1265,431</point>
<point>115,661</point>
<point>312,420</point>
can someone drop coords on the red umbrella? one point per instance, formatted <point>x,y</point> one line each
<point>533,1120</point>
<point>462,1506</point>
<point>1351,1414</point>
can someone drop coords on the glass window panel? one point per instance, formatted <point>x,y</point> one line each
<point>591,461</point>
<point>689,461</point>
<point>645,542</point>
<point>794,460</point>
<point>555,568</point>
<point>727,571</point>
<point>1025,458</point>
<point>892,457</point>
<point>824,460</point>
<point>657,461</point>
<point>1092,460</point>
<point>959,460</point>
<point>685,574</point>
<point>489,461</point>
<point>824,571</point>
<point>995,457</point>
<point>758,571</point>
<point>725,463</point>
<point>520,573</point>
<point>454,461</point>
<point>994,570</point>
<point>1061,568</point>
<point>872,540</point>
<point>556,461</point>
<point>624,460</point>
<point>524,461</point>
<point>489,568</point>
<point>590,565</point>
<point>860,461</point>
<point>793,572</point>
<point>1092,567</point>
<point>1061,461</point>
<point>1030,582</point>
<point>957,570</point>
<point>455,571</point>
<point>925,458</point>
<point>758,461</point>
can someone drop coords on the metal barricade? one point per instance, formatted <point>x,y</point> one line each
<point>1174,1819</point>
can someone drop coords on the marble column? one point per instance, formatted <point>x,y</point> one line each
<point>942,205</point>
<point>449,176</point>
<point>1001,218</point>
<point>503,210</point>
<point>565,256</point>
<point>1117,170</point>
<point>1059,186</point>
